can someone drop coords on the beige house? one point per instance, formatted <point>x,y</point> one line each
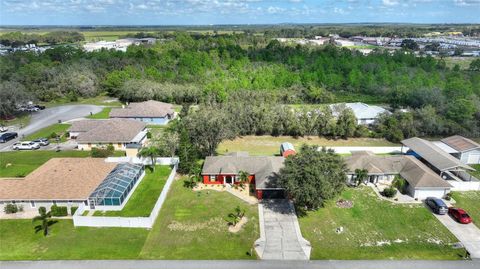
<point>122,134</point>
<point>150,112</point>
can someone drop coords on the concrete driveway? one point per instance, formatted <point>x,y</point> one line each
<point>468,234</point>
<point>280,235</point>
<point>52,115</point>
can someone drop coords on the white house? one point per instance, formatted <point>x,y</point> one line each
<point>464,149</point>
<point>365,114</point>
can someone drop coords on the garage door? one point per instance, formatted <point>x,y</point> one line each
<point>422,193</point>
<point>273,194</point>
<point>473,158</point>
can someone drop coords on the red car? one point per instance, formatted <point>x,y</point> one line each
<point>459,215</point>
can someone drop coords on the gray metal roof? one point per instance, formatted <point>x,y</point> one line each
<point>434,154</point>
<point>461,143</point>
<point>265,168</point>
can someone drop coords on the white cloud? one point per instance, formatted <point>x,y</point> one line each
<point>390,2</point>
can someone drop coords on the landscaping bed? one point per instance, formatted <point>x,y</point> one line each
<point>145,196</point>
<point>376,229</point>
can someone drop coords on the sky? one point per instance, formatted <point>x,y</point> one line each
<point>206,12</point>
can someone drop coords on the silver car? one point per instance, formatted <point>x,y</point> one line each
<point>25,145</point>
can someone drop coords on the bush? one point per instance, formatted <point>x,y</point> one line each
<point>101,153</point>
<point>12,208</point>
<point>400,184</point>
<point>73,209</point>
<point>149,135</point>
<point>448,196</point>
<point>389,192</point>
<point>53,135</point>
<point>59,211</point>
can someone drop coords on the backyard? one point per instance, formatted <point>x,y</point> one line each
<point>270,145</point>
<point>470,201</point>
<point>192,225</point>
<point>21,163</point>
<point>50,132</point>
<point>145,195</point>
<point>376,229</point>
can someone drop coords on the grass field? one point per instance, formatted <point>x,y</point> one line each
<point>101,100</point>
<point>104,114</point>
<point>192,225</point>
<point>376,229</point>
<point>470,201</point>
<point>270,145</point>
<point>475,173</point>
<point>59,128</point>
<point>19,242</point>
<point>463,62</point>
<point>145,196</point>
<point>21,163</point>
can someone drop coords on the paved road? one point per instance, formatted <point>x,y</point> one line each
<point>49,116</point>
<point>280,236</point>
<point>468,234</point>
<point>159,264</point>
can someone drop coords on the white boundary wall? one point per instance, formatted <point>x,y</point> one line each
<point>130,222</point>
<point>464,185</point>
<point>144,161</point>
<point>376,150</point>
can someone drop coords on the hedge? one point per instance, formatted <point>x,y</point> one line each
<point>59,211</point>
<point>73,209</point>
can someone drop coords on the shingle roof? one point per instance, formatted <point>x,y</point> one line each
<point>411,169</point>
<point>434,155</point>
<point>460,143</point>
<point>265,168</point>
<point>107,131</point>
<point>361,110</point>
<point>58,179</point>
<point>147,109</point>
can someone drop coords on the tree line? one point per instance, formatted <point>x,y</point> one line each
<point>17,39</point>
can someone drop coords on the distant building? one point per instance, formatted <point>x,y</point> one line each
<point>119,44</point>
<point>365,114</point>
<point>151,112</point>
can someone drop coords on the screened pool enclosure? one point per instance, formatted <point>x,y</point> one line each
<point>115,188</point>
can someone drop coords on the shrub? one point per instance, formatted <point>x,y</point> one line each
<point>100,153</point>
<point>389,192</point>
<point>12,208</point>
<point>53,135</point>
<point>59,211</point>
<point>400,184</point>
<point>73,209</point>
<point>448,196</point>
<point>149,135</point>
<point>110,148</point>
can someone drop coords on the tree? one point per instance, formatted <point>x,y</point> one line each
<point>360,176</point>
<point>236,216</point>
<point>475,65</point>
<point>187,152</point>
<point>243,176</point>
<point>409,44</point>
<point>46,222</point>
<point>313,176</point>
<point>151,152</point>
<point>346,123</point>
<point>11,95</point>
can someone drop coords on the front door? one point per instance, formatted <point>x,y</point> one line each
<point>228,180</point>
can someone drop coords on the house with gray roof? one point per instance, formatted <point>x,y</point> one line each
<point>462,148</point>
<point>365,114</point>
<point>120,133</point>
<point>262,172</point>
<point>422,182</point>
<point>150,112</point>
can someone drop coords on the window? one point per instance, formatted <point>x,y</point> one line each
<point>54,202</point>
<point>32,204</point>
<point>213,178</point>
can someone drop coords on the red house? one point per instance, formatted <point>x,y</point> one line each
<point>262,172</point>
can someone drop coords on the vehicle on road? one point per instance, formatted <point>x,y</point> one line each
<point>25,145</point>
<point>437,205</point>
<point>40,107</point>
<point>3,129</point>
<point>7,137</point>
<point>42,141</point>
<point>459,215</point>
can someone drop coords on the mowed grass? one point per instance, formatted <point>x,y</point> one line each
<point>270,145</point>
<point>104,114</point>
<point>376,229</point>
<point>21,163</point>
<point>470,201</point>
<point>59,128</point>
<point>19,242</point>
<point>192,225</point>
<point>475,173</point>
<point>100,100</point>
<point>145,196</point>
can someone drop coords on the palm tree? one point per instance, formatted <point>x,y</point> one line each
<point>360,176</point>
<point>243,176</point>
<point>45,218</point>
<point>151,152</point>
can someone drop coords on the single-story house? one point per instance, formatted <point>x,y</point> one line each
<point>150,112</point>
<point>365,114</point>
<point>72,182</point>
<point>464,149</point>
<point>120,133</point>
<point>422,182</point>
<point>262,171</point>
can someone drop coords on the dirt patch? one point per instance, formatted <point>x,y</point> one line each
<point>215,224</point>
<point>344,203</point>
<point>236,228</point>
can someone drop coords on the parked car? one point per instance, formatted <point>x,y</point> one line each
<point>437,205</point>
<point>459,215</point>
<point>40,107</point>
<point>7,137</point>
<point>42,141</point>
<point>3,129</point>
<point>27,145</point>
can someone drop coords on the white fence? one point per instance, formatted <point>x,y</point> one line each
<point>464,185</point>
<point>144,161</point>
<point>130,222</point>
<point>376,150</point>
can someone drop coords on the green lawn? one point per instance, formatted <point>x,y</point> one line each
<point>59,128</point>
<point>270,145</point>
<point>192,225</point>
<point>145,196</point>
<point>100,100</point>
<point>477,172</point>
<point>104,114</point>
<point>19,242</point>
<point>24,162</point>
<point>470,201</point>
<point>370,223</point>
